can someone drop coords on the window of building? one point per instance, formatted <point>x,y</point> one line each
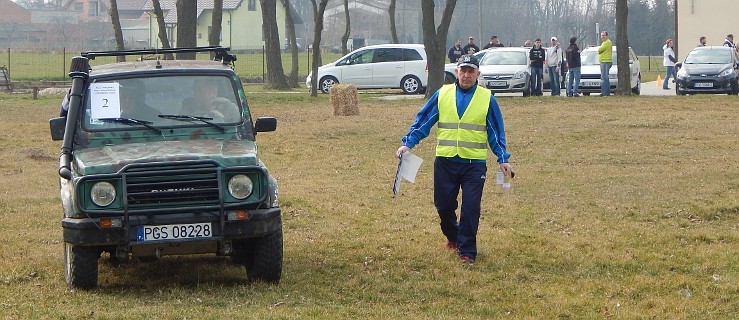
<point>78,6</point>
<point>252,5</point>
<point>93,9</point>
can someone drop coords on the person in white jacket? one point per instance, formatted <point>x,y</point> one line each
<point>668,61</point>
<point>554,63</point>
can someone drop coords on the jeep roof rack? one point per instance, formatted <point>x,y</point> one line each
<point>221,53</point>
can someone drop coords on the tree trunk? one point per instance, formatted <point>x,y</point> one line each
<point>434,41</point>
<point>275,73</point>
<point>393,30</point>
<point>214,38</point>
<point>162,29</point>
<point>115,19</point>
<point>345,37</point>
<point>292,80</point>
<point>186,27</point>
<point>317,29</point>
<point>622,45</point>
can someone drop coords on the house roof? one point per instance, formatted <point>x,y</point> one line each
<point>131,5</point>
<point>169,8</point>
<point>12,12</point>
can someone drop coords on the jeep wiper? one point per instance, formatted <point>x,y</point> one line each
<point>132,122</point>
<point>188,117</point>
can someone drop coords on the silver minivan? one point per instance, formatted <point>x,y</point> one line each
<point>401,66</point>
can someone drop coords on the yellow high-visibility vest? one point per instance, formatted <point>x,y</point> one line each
<point>466,137</point>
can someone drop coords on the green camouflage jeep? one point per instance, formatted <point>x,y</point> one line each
<point>159,158</point>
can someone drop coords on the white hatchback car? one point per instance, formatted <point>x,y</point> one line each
<point>590,72</point>
<point>401,66</point>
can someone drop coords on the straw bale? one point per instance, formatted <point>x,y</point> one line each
<point>343,98</point>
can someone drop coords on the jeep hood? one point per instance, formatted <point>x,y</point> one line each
<point>110,159</point>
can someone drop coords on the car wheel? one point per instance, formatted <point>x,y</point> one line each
<point>449,78</point>
<point>411,85</point>
<point>637,89</point>
<point>81,266</point>
<point>326,83</point>
<point>526,93</point>
<point>734,87</point>
<point>678,91</point>
<point>261,257</point>
<point>586,93</point>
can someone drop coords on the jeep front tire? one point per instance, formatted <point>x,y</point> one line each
<point>81,266</point>
<point>261,257</point>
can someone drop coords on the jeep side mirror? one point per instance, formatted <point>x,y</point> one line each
<point>265,124</point>
<point>56,126</point>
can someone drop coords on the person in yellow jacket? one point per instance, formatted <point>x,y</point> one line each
<point>605,57</point>
<point>468,121</point>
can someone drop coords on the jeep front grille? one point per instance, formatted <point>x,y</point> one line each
<point>187,184</point>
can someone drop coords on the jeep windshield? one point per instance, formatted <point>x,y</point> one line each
<point>161,102</point>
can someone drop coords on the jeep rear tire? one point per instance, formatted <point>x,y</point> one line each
<point>81,266</point>
<point>261,257</point>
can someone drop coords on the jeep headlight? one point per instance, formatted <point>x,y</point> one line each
<point>102,193</point>
<point>726,73</point>
<point>240,186</point>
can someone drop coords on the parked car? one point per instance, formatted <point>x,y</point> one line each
<point>159,158</point>
<point>450,75</point>
<point>711,69</point>
<point>401,66</point>
<point>590,72</point>
<point>507,69</point>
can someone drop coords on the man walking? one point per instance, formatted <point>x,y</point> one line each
<point>605,57</point>
<point>536,55</point>
<point>554,63</point>
<point>469,120</point>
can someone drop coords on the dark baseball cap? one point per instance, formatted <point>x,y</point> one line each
<point>493,37</point>
<point>468,60</point>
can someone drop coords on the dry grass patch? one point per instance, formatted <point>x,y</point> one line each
<point>625,207</point>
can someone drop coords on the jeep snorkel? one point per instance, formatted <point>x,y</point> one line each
<point>79,72</point>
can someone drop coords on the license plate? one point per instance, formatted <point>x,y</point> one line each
<point>704,84</point>
<point>497,83</point>
<point>175,232</point>
<point>590,84</point>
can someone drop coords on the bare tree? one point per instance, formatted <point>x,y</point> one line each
<point>318,10</point>
<point>275,73</point>
<point>345,37</point>
<point>214,38</point>
<point>292,80</point>
<point>622,45</point>
<point>162,28</point>
<point>115,19</point>
<point>187,16</point>
<point>434,41</point>
<point>393,31</point>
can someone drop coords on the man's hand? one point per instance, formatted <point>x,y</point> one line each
<point>401,150</point>
<point>506,168</point>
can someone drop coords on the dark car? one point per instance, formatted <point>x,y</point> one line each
<point>159,158</point>
<point>710,69</point>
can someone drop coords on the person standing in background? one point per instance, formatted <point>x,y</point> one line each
<point>537,55</point>
<point>470,48</point>
<point>729,41</point>
<point>455,51</point>
<point>668,60</point>
<point>605,57</point>
<point>702,42</point>
<point>493,43</point>
<point>573,65</point>
<point>554,63</point>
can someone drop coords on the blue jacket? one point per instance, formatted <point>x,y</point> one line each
<point>428,116</point>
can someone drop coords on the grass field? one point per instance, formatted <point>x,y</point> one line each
<point>622,207</point>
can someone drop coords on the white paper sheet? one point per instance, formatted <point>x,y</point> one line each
<point>105,100</point>
<point>408,166</point>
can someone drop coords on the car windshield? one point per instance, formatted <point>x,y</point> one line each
<point>590,58</point>
<point>708,57</point>
<point>149,103</point>
<point>502,57</point>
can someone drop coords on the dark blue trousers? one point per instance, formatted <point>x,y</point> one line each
<point>449,177</point>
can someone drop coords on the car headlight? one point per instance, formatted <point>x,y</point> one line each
<point>240,186</point>
<point>682,73</point>
<point>102,193</point>
<point>726,73</point>
<point>521,75</point>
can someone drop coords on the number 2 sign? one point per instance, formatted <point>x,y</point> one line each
<point>105,100</point>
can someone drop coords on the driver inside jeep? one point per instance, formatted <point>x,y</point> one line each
<point>206,102</point>
<point>133,101</point>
